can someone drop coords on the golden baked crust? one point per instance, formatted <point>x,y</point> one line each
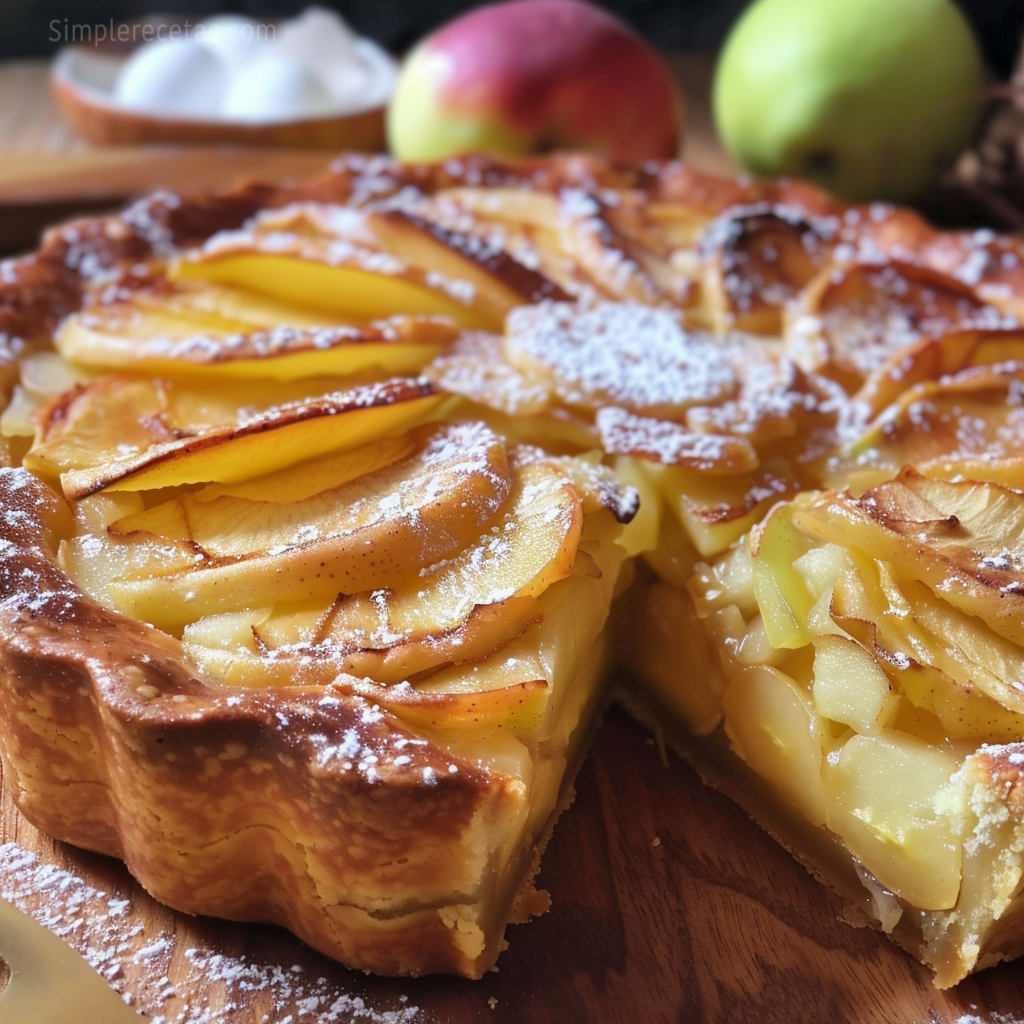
<point>767,426</point>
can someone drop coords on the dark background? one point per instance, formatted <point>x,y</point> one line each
<point>680,25</point>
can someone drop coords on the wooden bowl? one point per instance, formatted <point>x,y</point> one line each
<point>83,78</point>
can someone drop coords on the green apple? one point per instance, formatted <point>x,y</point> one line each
<point>872,99</point>
<point>528,75</point>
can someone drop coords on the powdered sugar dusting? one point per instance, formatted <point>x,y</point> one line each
<point>208,986</point>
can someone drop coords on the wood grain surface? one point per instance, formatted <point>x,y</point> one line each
<point>669,905</point>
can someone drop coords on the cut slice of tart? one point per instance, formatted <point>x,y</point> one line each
<point>372,755</point>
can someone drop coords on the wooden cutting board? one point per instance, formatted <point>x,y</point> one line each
<point>669,905</point>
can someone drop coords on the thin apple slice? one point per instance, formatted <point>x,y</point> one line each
<point>313,476</point>
<point>93,556</point>
<point>338,273</point>
<point>930,360</point>
<point>377,531</point>
<point>205,299</point>
<point>851,319</point>
<point>89,427</point>
<point>754,260</point>
<point>929,671</point>
<point>160,343</point>
<point>531,546</point>
<point>267,442</point>
<point>715,510</point>
<point>961,538</point>
<point>472,602</point>
<point>773,726</point>
<point>969,425</point>
<point>109,423</point>
<point>613,246</point>
<point>517,707</point>
<point>496,281</point>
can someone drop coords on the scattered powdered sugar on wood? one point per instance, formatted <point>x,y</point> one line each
<point>208,987</point>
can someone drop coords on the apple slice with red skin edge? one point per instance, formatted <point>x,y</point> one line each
<point>270,441</point>
<point>350,539</point>
<point>532,74</point>
<point>497,281</point>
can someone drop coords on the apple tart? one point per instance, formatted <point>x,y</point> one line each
<point>334,514</point>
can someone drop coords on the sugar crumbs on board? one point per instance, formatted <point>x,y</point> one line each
<point>134,960</point>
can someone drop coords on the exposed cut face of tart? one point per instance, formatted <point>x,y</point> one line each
<point>331,513</point>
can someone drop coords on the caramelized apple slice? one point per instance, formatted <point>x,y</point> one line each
<point>754,260</point>
<point>851,319</point>
<point>928,670</point>
<point>932,359</point>
<point>354,291</point>
<point>331,260</point>
<point>717,509</point>
<point>962,539</point>
<point>205,299</point>
<point>377,531</point>
<point>109,423</point>
<point>313,476</point>
<point>947,663</point>
<point>467,605</point>
<point>265,443</point>
<point>969,426</point>
<point>496,282</point>
<point>612,248</point>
